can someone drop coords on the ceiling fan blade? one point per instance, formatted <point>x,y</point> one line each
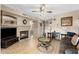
<point>49,11</point>
<point>34,11</point>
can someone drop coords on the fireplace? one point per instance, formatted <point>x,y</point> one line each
<point>23,34</point>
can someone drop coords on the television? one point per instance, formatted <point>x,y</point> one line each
<point>8,32</point>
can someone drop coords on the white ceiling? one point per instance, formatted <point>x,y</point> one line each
<point>56,8</point>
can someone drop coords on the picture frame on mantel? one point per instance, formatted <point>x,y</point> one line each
<point>67,21</point>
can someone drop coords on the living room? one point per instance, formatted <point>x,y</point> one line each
<point>34,25</point>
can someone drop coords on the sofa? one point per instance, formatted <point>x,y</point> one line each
<point>66,47</point>
<point>6,42</point>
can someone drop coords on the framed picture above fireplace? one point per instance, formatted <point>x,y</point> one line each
<point>67,21</point>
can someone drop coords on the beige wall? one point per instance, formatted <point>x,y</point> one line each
<point>38,30</point>
<point>56,25</point>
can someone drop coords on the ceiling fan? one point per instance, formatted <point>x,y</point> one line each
<point>43,9</point>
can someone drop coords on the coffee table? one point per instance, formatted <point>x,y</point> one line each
<point>44,44</point>
<point>44,40</point>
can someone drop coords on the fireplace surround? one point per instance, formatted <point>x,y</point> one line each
<point>23,34</point>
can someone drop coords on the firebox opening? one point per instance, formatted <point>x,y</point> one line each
<point>23,34</point>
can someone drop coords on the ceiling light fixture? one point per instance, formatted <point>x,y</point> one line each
<point>43,9</point>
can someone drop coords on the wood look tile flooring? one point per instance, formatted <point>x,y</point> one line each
<point>29,46</point>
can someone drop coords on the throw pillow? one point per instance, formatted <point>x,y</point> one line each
<point>74,40</point>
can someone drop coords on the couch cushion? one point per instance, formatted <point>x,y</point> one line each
<point>71,51</point>
<point>66,44</point>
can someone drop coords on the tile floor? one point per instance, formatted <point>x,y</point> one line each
<point>29,46</point>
